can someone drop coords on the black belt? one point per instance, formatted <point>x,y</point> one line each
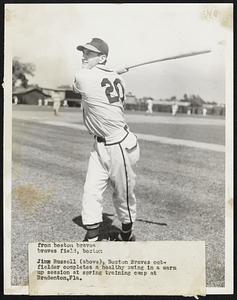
<point>101,139</point>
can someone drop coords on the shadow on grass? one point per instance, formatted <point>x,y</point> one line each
<point>106,229</point>
<point>151,222</point>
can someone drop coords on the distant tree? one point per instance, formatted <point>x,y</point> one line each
<point>20,70</point>
<point>185,97</point>
<point>196,101</point>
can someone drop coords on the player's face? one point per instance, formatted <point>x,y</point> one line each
<point>90,59</point>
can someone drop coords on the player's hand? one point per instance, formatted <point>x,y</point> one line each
<point>121,71</point>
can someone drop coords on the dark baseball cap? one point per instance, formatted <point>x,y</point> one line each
<point>96,45</point>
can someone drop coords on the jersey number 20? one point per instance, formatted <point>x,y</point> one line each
<point>110,89</point>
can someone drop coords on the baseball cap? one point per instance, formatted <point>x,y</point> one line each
<point>96,45</point>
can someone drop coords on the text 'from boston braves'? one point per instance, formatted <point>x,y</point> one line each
<point>117,268</point>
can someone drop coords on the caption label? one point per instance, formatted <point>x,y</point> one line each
<point>117,268</point>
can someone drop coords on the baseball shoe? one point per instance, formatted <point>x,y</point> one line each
<point>100,239</point>
<point>86,240</point>
<point>131,239</point>
<point>112,238</point>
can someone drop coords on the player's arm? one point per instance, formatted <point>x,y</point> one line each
<point>123,89</point>
<point>75,86</point>
<point>78,81</point>
<point>122,70</point>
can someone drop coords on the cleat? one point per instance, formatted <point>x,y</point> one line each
<point>89,240</point>
<point>131,239</point>
<point>100,239</point>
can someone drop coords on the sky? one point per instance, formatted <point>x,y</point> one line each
<point>48,34</point>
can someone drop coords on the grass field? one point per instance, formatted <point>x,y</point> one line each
<point>180,190</point>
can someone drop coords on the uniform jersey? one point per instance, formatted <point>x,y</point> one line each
<point>103,94</point>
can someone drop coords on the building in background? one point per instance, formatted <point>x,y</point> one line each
<point>130,102</point>
<point>70,98</point>
<point>73,99</point>
<point>30,95</point>
<point>34,95</point>
<point>187,105</point>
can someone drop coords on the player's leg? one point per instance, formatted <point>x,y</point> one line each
<point>124,198</point>
<point>92,206</point>
<point>123,179</point>
<point>123,182</point>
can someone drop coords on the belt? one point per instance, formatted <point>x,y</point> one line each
<point>101,139</point>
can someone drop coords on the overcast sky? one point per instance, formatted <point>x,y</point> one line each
<point>47,35</point>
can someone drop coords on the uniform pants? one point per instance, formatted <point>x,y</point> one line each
<point>111,163</point>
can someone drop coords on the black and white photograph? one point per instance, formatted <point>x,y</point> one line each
<point>118,128</point>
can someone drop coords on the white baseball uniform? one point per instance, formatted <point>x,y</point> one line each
<point>115,149</point>
<point>175,107</point>
<point>149,106</point>
<point>56,102</point>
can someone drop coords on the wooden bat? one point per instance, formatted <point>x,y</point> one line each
<point>169,58</point>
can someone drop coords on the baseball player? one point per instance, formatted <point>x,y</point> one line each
<point>115,149</point>
<point>175,107</point>
<point>149,106</point>
<point>56,102</point>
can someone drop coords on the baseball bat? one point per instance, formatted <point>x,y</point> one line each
<point>169,58</point>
